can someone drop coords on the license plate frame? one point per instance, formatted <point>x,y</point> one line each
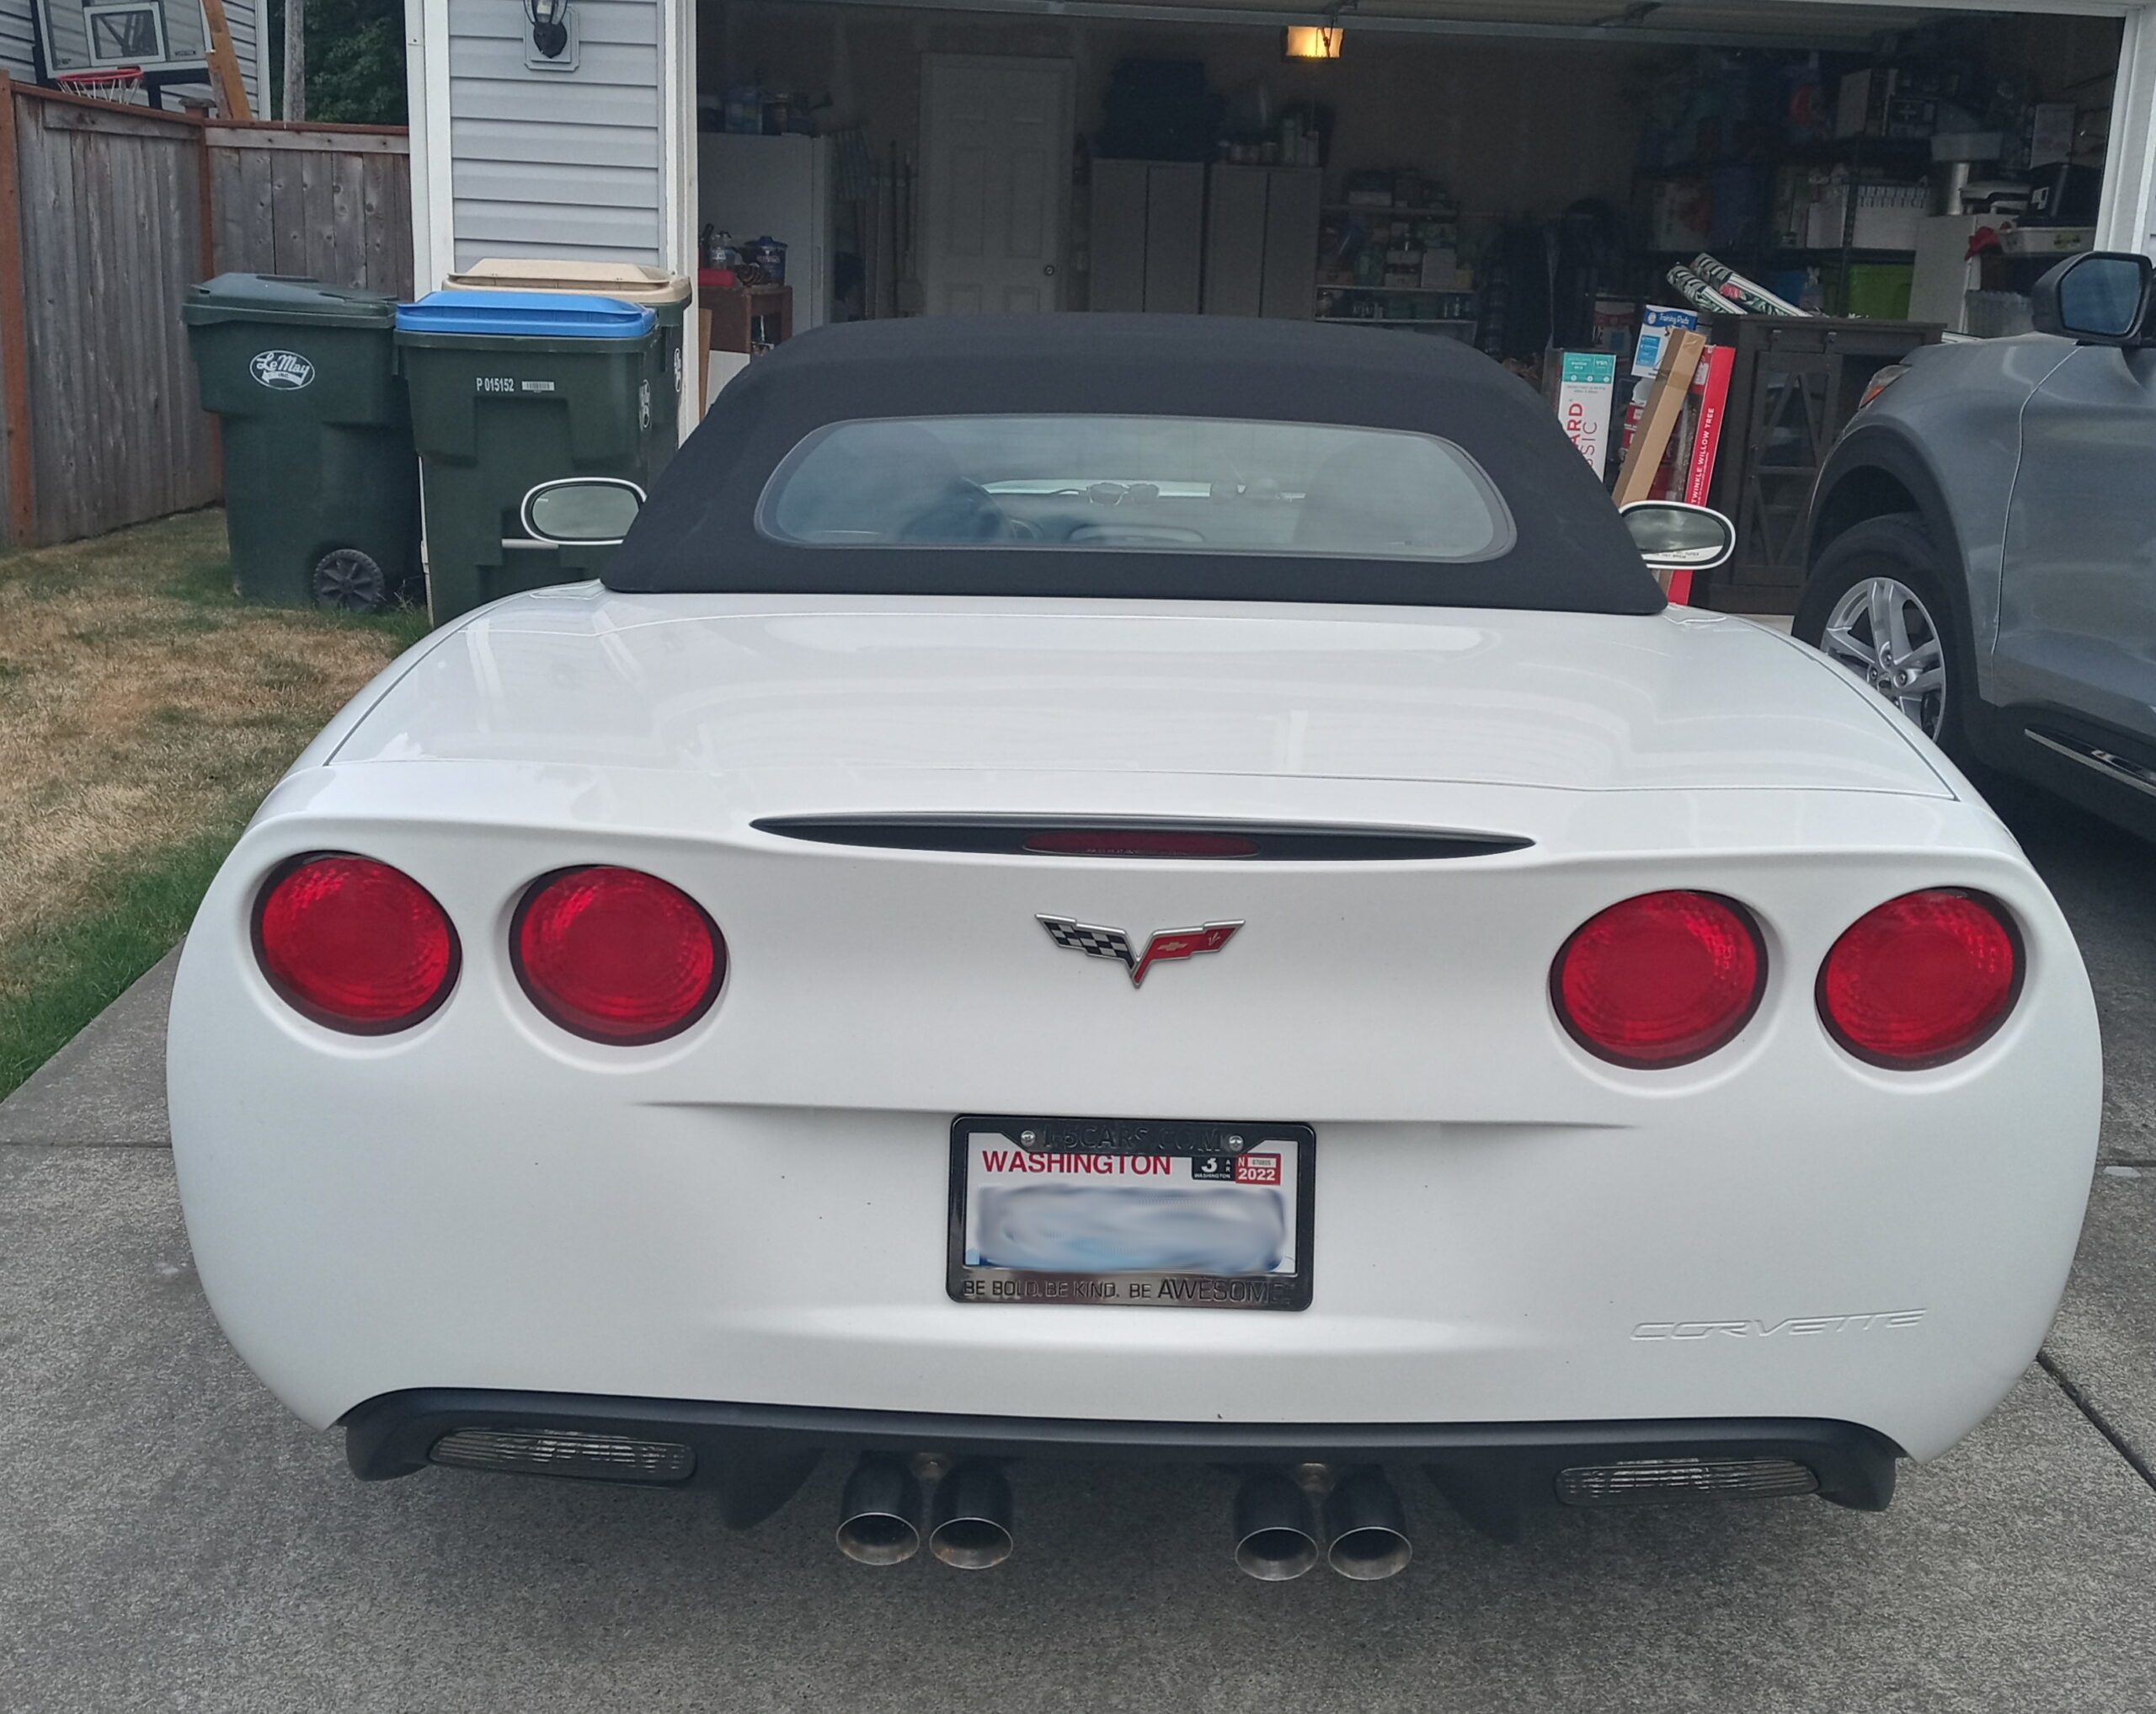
<point>1212,1141</point>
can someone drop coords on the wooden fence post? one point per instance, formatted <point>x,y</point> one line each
<point>14,336</point>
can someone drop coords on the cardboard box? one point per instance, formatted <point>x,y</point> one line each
<point>1613,324</point>
<point>1658,322</point>
<point>1672,384</point>
<point>1861,102</point>
<point>1586,389</point>
<point>1886,216</point>
<point>1681,216</point>
<point>2046,241</point>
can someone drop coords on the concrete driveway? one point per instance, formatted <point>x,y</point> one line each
<point>170,1539</point>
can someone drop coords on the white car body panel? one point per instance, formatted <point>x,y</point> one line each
<point>1508,1230</point>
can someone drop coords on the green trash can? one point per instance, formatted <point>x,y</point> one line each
<point>510,389</point>
<point>322,486</point>
<point>668,297</point>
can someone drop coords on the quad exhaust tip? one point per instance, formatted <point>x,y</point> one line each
<point>972,1513</point>
<point>1276,1536</point>
<point>1281,1533</point>
<point>879,1512</point>
<point>1366,1527</point>
<point>969,1513</point>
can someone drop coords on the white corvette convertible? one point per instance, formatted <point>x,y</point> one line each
<point>1167,889</point>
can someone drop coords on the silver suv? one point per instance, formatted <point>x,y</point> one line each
<point>1982,542</point>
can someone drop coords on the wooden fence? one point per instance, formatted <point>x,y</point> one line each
<point>108,214</point>
<point>334,201</point>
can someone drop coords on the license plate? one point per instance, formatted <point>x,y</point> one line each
<point>1155,1213</point>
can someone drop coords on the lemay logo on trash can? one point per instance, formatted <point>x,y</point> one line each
<point>286,371</point>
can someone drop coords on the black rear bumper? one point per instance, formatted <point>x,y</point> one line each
<point>753,1457</point>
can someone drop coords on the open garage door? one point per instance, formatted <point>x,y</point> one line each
<point>1206,169</point>
<point>1563,184</point>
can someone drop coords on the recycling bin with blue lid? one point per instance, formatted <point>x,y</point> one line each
<point>510,389</point>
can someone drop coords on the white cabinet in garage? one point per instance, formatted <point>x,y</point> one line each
<point>1261,241</point>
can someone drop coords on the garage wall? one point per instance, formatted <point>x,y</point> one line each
<point>550,162</point>
<point>1513,126</point>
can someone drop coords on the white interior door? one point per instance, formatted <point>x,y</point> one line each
<point>996,182</point>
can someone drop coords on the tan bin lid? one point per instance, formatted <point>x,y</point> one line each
<point>633,281</point>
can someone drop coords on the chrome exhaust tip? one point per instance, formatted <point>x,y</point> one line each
<point>879,1512</point>
<point>971,1510</point>
<point>1366,1527</point>
<point>1275,1541</point>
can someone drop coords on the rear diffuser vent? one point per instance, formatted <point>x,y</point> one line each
<point>565,1452</point>
<point>1640,1481</point>
<point>1156,840</point>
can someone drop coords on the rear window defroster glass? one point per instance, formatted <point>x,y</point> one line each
<point>1150,484</point>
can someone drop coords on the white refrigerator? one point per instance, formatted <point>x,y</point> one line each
<point>759,187</point>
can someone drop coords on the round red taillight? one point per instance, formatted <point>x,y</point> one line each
<point>353,944</point>
<point>616,955</point>
<point>1660,979</point>
<point>1922,980</point>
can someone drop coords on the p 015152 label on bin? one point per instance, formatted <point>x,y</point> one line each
<point>286,371</point>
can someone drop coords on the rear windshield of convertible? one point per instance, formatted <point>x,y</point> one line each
<point>1152,484</point>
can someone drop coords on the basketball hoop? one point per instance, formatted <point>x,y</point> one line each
<point>106,83</point>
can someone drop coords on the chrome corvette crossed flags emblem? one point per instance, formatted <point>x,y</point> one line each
<point>1169,946</point>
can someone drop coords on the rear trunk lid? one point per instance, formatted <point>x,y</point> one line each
<point>853,687</point>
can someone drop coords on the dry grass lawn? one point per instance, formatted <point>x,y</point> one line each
<point>143,713</point>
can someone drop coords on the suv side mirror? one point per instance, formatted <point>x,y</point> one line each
<point>2099,297</point>
<point>583,511</point>
<point>1673,536</point>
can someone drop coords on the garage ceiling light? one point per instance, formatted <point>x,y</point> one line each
<point>1312,41</point>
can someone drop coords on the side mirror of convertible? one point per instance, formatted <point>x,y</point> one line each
<point>1673,536</point>
<point>583,511</point>
<point>2099,297</point>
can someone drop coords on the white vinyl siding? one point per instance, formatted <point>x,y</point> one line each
<point>240,17</point>
<point>17,34</point>
<point>555,163</point>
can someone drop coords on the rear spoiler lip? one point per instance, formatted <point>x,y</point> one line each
<point>1266,842</point>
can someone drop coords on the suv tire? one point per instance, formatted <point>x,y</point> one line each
<point>1885,569</point>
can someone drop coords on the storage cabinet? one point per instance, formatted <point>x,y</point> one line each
<point>1177,236</point>
<point>1148,218</point>
<point>1261,241</point>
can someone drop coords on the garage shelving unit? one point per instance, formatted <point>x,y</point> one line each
<point>1334,289</point>
<point>1757,255</point>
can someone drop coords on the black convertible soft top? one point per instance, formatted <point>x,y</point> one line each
<point>699,531</point>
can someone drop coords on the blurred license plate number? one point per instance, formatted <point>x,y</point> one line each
<point>1130,1212</point>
